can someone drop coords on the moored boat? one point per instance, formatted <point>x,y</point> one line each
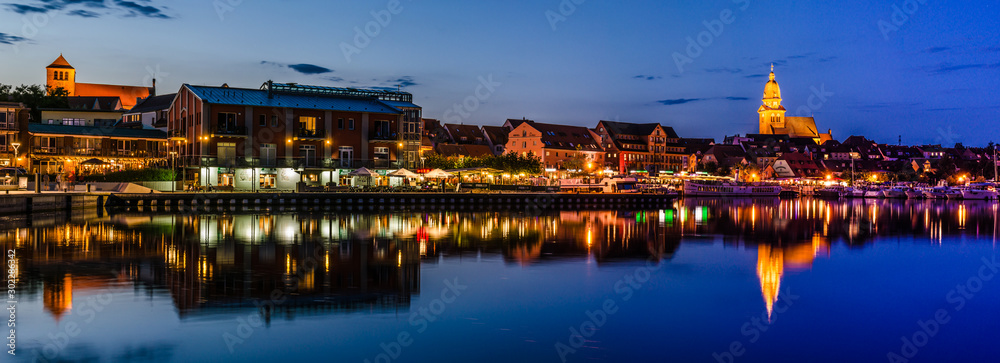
<point>914,194</point>
<point>874,193</point>
<point>695,188</point>
<point>936,193</point>
<point>829,193</point>
<point>895,193</point>
<point>979,191</point>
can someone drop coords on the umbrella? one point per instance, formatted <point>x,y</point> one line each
<point>362,172</point>
<point>93,162</point>
<point>403,173</point>
<point>437,174</point>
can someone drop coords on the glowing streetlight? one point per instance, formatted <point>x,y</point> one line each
<point>15,145</point>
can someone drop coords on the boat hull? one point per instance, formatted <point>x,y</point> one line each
<point>693,189</point>
<point>979,194</point>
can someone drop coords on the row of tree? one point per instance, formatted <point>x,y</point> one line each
<point>512,163</point>
<point>35,97</point>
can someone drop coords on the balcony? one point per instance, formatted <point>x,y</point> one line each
<point>176,135</point>
<point>317,134</point>
<point>232,131</point>
<point>45,150</point>
<point>381,136</point>
<point>8,126</point>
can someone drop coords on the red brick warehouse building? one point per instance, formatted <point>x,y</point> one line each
<point>280,134</point>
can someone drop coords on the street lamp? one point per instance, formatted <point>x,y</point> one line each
<point>15,145</point>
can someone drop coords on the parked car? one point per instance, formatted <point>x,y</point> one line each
<point>12,171</point>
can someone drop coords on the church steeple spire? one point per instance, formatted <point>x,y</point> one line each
<point>772,114</point>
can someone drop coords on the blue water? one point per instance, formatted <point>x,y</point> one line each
<point>845,282</point>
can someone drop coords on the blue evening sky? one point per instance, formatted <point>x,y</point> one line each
<point>929,77</point>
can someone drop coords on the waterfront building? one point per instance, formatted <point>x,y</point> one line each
<point>560,147</point>
<point>463,140</point>
<point>725,156</point>
<point>87,138</point>
<point>85,111</point>
<point>13,129</point>
<point>60,74</point>
<point>631,148</point>
<point>83,149</point>
<point>282,134</point>
<point>150,113</point>
<point>496,137</point>
<point>793,165</point>
<point>774,122</point>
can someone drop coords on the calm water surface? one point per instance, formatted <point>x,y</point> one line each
<point>707,281</point>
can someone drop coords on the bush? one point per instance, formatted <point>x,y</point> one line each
<point>130,176</point>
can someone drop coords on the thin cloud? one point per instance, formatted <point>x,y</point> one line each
<point>404,81</point>
<point>756,76</point>
<point>11,39</point>
<point>681,101</point>
<point>725,70</point>
<point>83,14</point>
<point>304,68</point>
<point>945,68</point>
<point>143,8</point>
<point>933,50</point>
<point>309,68</point>
<point>648,78</point>
<point>26,9</point>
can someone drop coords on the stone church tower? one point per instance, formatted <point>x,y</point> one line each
<point>61,74</point>
<point>772,113</point>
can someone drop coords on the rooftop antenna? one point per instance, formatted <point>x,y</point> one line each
<point>397,88</point>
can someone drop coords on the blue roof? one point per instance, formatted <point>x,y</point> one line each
<point>398,104</point>
<point>95,131</point>
<point>253,97</point>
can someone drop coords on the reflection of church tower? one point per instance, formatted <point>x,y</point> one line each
<point>770,267</point>
<point>57,296</point>
<point>772,113</point>
<point>60,74</point>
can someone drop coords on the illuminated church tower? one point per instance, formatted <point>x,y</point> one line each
<point>60,74</point>
<point>774,122</point>
<point>772,113</point>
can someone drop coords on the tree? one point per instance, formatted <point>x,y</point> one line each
<point>946,166</point>
<point>513,163</point>
<point>35,97</point>
<point>711,167</point>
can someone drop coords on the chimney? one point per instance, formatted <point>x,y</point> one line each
<point>270,94</point>
<point>153,93</point>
